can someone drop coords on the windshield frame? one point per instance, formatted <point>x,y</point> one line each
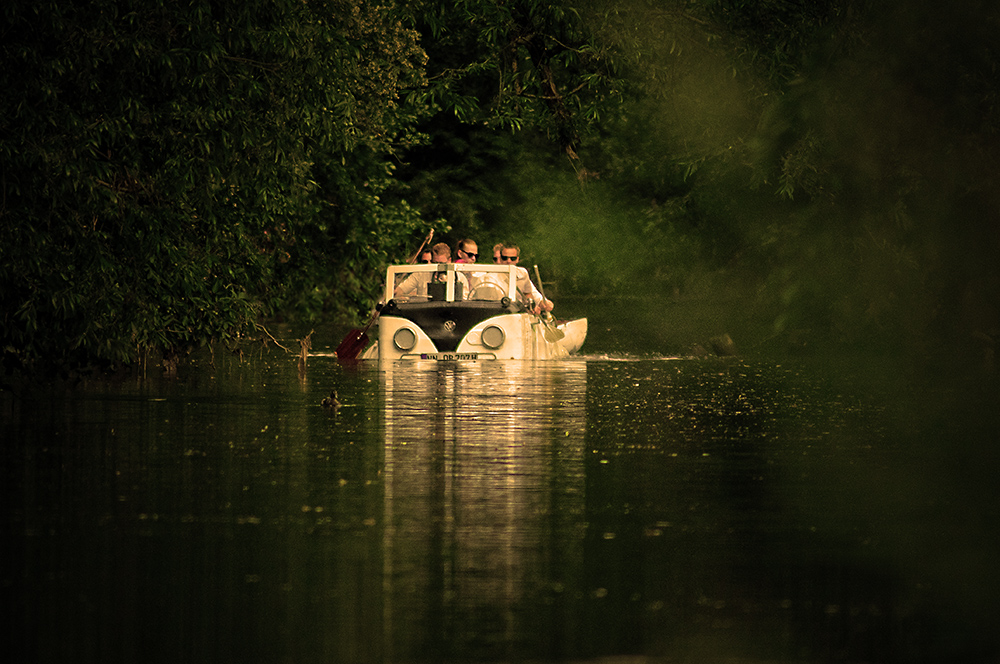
<point>396,273</point>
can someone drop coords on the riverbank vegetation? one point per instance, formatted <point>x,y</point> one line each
<point>175,175</point>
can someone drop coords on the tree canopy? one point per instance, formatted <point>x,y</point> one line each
<point>173,171</point>
<point>175,174</point>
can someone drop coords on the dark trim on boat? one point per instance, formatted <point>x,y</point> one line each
<point>447,323</point>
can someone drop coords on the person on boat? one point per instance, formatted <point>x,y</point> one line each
<point>425,256</point>
<point>467,251</point>
<point>527,293</point>
<point>416,283</point>
<point>496,252</point>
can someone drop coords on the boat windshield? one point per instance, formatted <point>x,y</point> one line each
<point>450,282</point>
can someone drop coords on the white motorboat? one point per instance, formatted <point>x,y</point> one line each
<point>455,311</point>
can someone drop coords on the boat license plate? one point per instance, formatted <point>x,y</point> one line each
<point>454,356</point>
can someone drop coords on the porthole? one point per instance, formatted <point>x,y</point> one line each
<point>493,336</point>
<point>404,338</point>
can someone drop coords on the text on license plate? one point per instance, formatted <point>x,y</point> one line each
<point>449,356</point>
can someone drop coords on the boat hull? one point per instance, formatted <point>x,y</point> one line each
<point>510,336</point>
<point>575,332</point>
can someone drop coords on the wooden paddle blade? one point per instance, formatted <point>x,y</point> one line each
<point>352,345</point>
<point>552,333</point>
<point>549,329</point>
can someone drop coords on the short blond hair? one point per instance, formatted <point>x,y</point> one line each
<point>440,249</point>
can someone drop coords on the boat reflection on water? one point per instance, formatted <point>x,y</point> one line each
<point>484,506</point>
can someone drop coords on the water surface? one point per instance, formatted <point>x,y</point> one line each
<point>656,509</point>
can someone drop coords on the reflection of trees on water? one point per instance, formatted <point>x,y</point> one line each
<point>731,513</point>
<point>698,511</point>
<point>483,507</point>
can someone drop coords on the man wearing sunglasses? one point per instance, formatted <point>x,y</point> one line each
<point>467,251</point>
<point>526,291</point>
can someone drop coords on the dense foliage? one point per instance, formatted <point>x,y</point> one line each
<point>174,174</point>
<point>828,165</point>
<point>173,171</point>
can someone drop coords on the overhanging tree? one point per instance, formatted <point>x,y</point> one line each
<point>159,166</point>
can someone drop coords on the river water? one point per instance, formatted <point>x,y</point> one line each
<point>626,509</point>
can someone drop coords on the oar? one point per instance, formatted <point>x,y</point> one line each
<point>552,333</point>
<point>356,340</point>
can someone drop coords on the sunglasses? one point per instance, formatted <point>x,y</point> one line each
<point>427,261</point>
<point>508,258</point>
<point>469,254</point>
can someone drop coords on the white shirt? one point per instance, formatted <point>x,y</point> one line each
<point>417,282</point>
<point>526,291</point>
